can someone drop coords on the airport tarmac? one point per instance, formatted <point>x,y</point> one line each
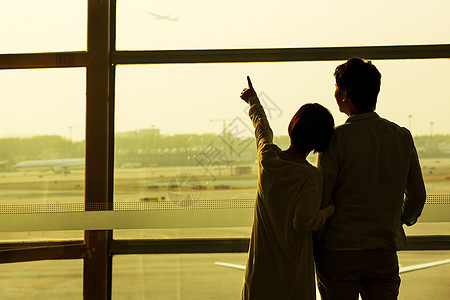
<point>150,183</point>
<point>159,186</point>
<point>186,276</point>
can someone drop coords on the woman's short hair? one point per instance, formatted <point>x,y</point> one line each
<point>311,128</point>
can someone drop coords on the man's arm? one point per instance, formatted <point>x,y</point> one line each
<point>415,194</point>
<point>307,215</point>
<point>263,132</point>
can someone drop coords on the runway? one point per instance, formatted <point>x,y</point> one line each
<point>173,276</point>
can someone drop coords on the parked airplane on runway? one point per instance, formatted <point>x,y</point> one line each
<point>55,165</point>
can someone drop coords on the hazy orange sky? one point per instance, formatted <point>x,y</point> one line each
<point>185,98</point>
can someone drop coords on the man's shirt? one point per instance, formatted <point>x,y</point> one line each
<point>372,172</point>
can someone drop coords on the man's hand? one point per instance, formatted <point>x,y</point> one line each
<point>249,92</point>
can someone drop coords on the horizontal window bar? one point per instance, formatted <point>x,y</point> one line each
<point>430,242</point>
<point>36,244</point>
<point>44,253</point>
<point>80,58</point>
<point>281,54</point>
<point>202,213</point>
<point>434,202</point>
<point>72,250</point>
<point>226,245</point>
<point>231,245</point>
<point>105,220</point>
<point>44,60</point>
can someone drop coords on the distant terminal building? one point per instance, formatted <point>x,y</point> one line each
<point>242,170</point>
<point>3,165</point>
<point>140,133</point>
<point>147,148</point>
<point>155,159</point>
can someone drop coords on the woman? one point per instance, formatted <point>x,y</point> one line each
<point>280,260</point>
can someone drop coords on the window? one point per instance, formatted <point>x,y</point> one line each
<point>184,139</point>
<point>182,181</point>
<point>42,146</point>
<point>203,24</point>
<point>218,276</point>
<point>57,279</point>
<point>43,26</point>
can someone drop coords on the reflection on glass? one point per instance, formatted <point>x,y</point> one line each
<point>204,24</point>
<point>183,136</point>
<point>43,26</point>
<point>195,276</point>
<point>56,279</point>
<point>42,142</point>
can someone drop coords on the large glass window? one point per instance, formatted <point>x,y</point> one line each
<point>42,142</point>
<point>43,26</point>
<point>219,276</point>
<point>204,24</point>
<point>184,276</point>
<point>426,283</point>
<point>185,161</point>
<point>57,279</point>
<point>184,140</point>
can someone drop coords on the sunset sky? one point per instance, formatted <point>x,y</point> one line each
<point>185,98</point>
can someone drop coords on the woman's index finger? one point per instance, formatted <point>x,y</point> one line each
<point>250,85</point>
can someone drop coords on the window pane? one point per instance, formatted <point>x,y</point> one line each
<point>56,279</point>
<point>43,26</point>
<point>424,283</point>
<point>42,142</point>
<point>184,233</point>
<point>197,276</point>
<point>186,276</point>
<point>184,139</point>
<point>31,236</point>
<point>204,24</point>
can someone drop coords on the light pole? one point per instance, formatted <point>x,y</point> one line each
<point>226,135</point>
<point>431,128</point>
<point>70,140</point>
<point>410,122</point>
<point>70,133</point>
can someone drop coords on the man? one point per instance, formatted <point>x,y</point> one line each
<point>372,173</point>
<point>280,259</point>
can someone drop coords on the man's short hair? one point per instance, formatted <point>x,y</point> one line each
<point>362,81</point>
<point>311,128</point>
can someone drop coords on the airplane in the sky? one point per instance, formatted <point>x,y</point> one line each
<point>401,269</point>
<point>161,17</point>
<point>55,165</point>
